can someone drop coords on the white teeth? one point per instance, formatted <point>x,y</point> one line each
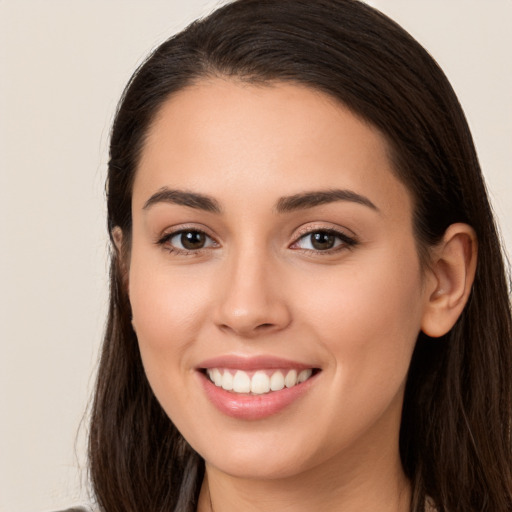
<point>261,382</point>
<point>290,379</point>
<point>277,381</point>
<point>217,377</point>
<point>241,382</point>
<point>227,381</point>
<point>304,375</point>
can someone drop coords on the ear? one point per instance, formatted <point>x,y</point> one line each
<point>451,276</point>
<point>121,253</point>
<point>117,236</point>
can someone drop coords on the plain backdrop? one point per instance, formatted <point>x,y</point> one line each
<point>63,66</point>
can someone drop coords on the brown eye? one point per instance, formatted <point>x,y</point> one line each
<point>322,240</point>
<point>191,240</point>
<point>187,241</point>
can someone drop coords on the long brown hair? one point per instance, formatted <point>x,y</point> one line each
<point>455,438</point>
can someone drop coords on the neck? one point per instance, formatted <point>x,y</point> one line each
<point>371,484</point>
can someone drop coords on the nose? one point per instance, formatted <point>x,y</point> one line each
<point>252,300</point>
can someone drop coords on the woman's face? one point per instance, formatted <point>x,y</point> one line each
<point>273,252</point>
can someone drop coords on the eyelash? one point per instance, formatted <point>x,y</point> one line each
<point>164,241</point>
<point>344,241</point>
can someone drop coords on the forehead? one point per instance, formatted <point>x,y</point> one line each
<point>280,139</point>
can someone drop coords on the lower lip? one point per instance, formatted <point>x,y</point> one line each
<point>253,407</point>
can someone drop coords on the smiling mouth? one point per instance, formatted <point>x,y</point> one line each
<point>258,382</point>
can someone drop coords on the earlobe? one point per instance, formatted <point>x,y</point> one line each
<point>451,277</point>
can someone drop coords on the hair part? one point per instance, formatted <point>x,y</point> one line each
<point>455,439</point>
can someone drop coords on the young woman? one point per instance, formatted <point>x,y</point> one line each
<point>309,305</point>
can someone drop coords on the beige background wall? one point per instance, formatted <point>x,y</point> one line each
<point>63,65</point>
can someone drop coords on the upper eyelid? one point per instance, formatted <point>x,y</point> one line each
<point>313,228</point>
<point>169,232</point>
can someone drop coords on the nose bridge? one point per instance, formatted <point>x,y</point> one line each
<point>251,301</point>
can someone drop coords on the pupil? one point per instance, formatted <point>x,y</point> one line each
<point>322,241</point>
<point>192,240</point>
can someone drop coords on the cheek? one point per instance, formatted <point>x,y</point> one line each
<point>165,319</point>
<point>167,306</point>
<point>368,317</point>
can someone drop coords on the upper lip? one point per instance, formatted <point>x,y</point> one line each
<point>251,363</point>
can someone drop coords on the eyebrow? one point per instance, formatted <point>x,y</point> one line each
<point>285,204</point>
<point>183,198</point>
<point>316,198</point>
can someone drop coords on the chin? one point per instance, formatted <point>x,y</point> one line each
<point>261,455</point>
<point>257,467</point>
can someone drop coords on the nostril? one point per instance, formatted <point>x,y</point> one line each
<point>265,326</point>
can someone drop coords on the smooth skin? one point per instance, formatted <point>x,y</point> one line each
<point>257,282</point>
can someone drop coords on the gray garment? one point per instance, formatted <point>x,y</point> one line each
<point>75,509</point>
